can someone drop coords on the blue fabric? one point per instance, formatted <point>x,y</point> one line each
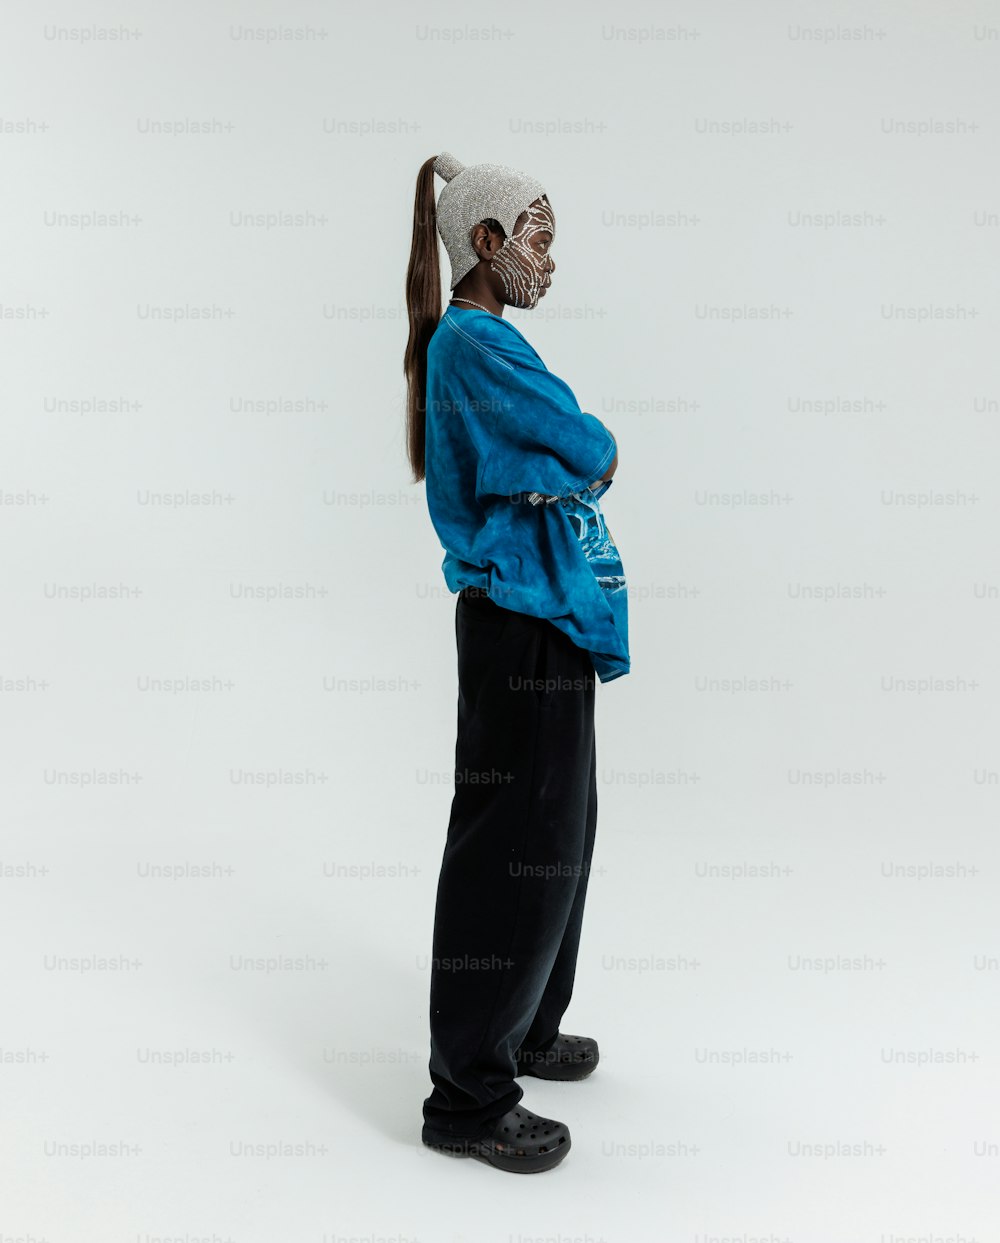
<point>501,427</point>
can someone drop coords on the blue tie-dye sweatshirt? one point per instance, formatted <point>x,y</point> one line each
<point>510,457</point>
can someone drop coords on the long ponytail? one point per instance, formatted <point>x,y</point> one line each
<point>423,305</point>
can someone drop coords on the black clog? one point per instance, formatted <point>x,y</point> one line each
<point>521,1143</point>
<point>570,1058</point>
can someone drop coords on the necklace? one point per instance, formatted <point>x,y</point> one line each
<point>478,304</point>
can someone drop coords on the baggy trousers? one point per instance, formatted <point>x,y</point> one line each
<point>513,879</point>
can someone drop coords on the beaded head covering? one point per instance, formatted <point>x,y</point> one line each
<point>479,192</point>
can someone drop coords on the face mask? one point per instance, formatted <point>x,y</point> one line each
<point>522,269</point>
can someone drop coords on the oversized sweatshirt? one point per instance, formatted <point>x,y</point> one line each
<point>509,461</point>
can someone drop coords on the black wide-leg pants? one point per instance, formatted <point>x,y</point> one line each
<point>513,879</point>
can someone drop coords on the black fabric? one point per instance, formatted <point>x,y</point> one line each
<point>516,862</point>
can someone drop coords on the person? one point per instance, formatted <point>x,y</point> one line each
<point>514,472</point>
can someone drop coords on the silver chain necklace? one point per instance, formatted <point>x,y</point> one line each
<point>477,304</point>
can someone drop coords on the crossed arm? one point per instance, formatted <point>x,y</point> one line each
<point>543,498</point>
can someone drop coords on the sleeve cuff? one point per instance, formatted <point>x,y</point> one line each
<point>576,484</point>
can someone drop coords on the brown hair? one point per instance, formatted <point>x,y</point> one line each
<point>423,305</point>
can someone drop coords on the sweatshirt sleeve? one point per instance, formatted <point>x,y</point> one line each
<point>542,441</point>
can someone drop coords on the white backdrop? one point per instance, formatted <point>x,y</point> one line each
<point>228,695</point>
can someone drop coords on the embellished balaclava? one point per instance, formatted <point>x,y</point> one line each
<point>483,192</point>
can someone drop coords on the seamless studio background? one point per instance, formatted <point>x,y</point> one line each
<point>229,685</point>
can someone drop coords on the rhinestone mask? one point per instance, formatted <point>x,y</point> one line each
<point>521,268</point>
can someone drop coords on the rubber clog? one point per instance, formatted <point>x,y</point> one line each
<point>521,1142</point>
<point>570,1058</point>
